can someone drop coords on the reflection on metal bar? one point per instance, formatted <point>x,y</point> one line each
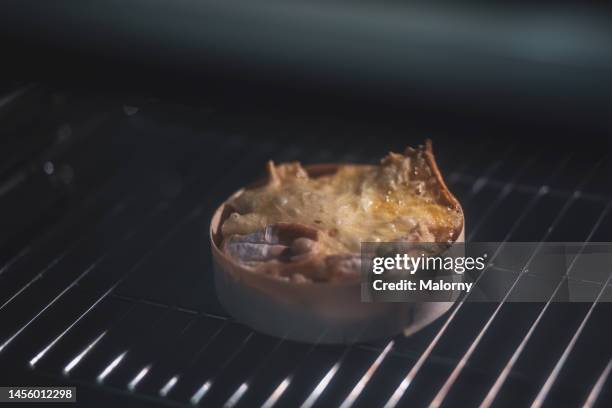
<point>241,390</point>
<point>24,287</point>
<point>401,389</point>
<point>530,189</point>
<point>163,392</point>
<point>443,392</point>
<point>542,190</point>
<point>55,299</point>
<point>233,400</point>
<point>116,209</point>
<point>200,393</point>
<point>44,351</point>
<point>276,394</point>
<point>195,212</point>
<point>280,389</point>
<point>598,387</point>
<point>539,399</point>
<point>318,390</point>
<point>110,367</point>
<point>71,285</point>
<point>204,388</point>
<point>254,371</point>
<point>76,360</point>
<point>236,352</point>
<point>141,374</point>
<point>171,382</point>
<point>356,391</point>
<point>492,394</point>
<point>508,187</point>
<point>14,259</point>
<point>40,275</point>
<point>133,299</point>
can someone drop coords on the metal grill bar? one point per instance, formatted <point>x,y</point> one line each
<point>233,400</point>
<point>26,250</point>
<point>318,390</point>
<point>598,387</point>
<point>280,389</point>
<point>110,367</point>
<point>64,291</point>
<point>145,370</point>
<point>539,400</point>
<point>443,392</point>
<point>356,391</point>
<point>163,392</point>
<point>138,370</point>
<point>441,395</point>
<point>173,380</point>
<point>193,214</point>
<point>77,359</point>
<point>260,366</point>
<point>235,354</point>
<point>200,393</point>
<point>403,386</point>
<point>91,199</point>
<point>492,394</point>
<point>23,288</point>
<point>141,374</point>
<point>14,259</point>
<point>117,208</point>
<point>276,394</point>
<point>502,195</point>
<point>196,212</point>
<point>113,364</point>
<point>528,188</point>
<point>55,299</point>
<point>44,351</point>
<point>114,211</point>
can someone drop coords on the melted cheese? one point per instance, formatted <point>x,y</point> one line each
<point>396,201</point>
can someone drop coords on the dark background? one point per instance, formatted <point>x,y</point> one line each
<point>498,70</point>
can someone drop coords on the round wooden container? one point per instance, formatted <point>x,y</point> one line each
<point>310,312</point>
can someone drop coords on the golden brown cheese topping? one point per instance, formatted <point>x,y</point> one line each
<point>295,217</point>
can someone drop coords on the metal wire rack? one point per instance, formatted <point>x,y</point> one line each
<point>105,277</point>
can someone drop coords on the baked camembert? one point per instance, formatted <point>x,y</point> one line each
<point>303,229</point>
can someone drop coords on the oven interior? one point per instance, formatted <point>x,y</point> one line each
<point>105,268</point>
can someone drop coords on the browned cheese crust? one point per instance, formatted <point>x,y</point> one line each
<point>308,229</point>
